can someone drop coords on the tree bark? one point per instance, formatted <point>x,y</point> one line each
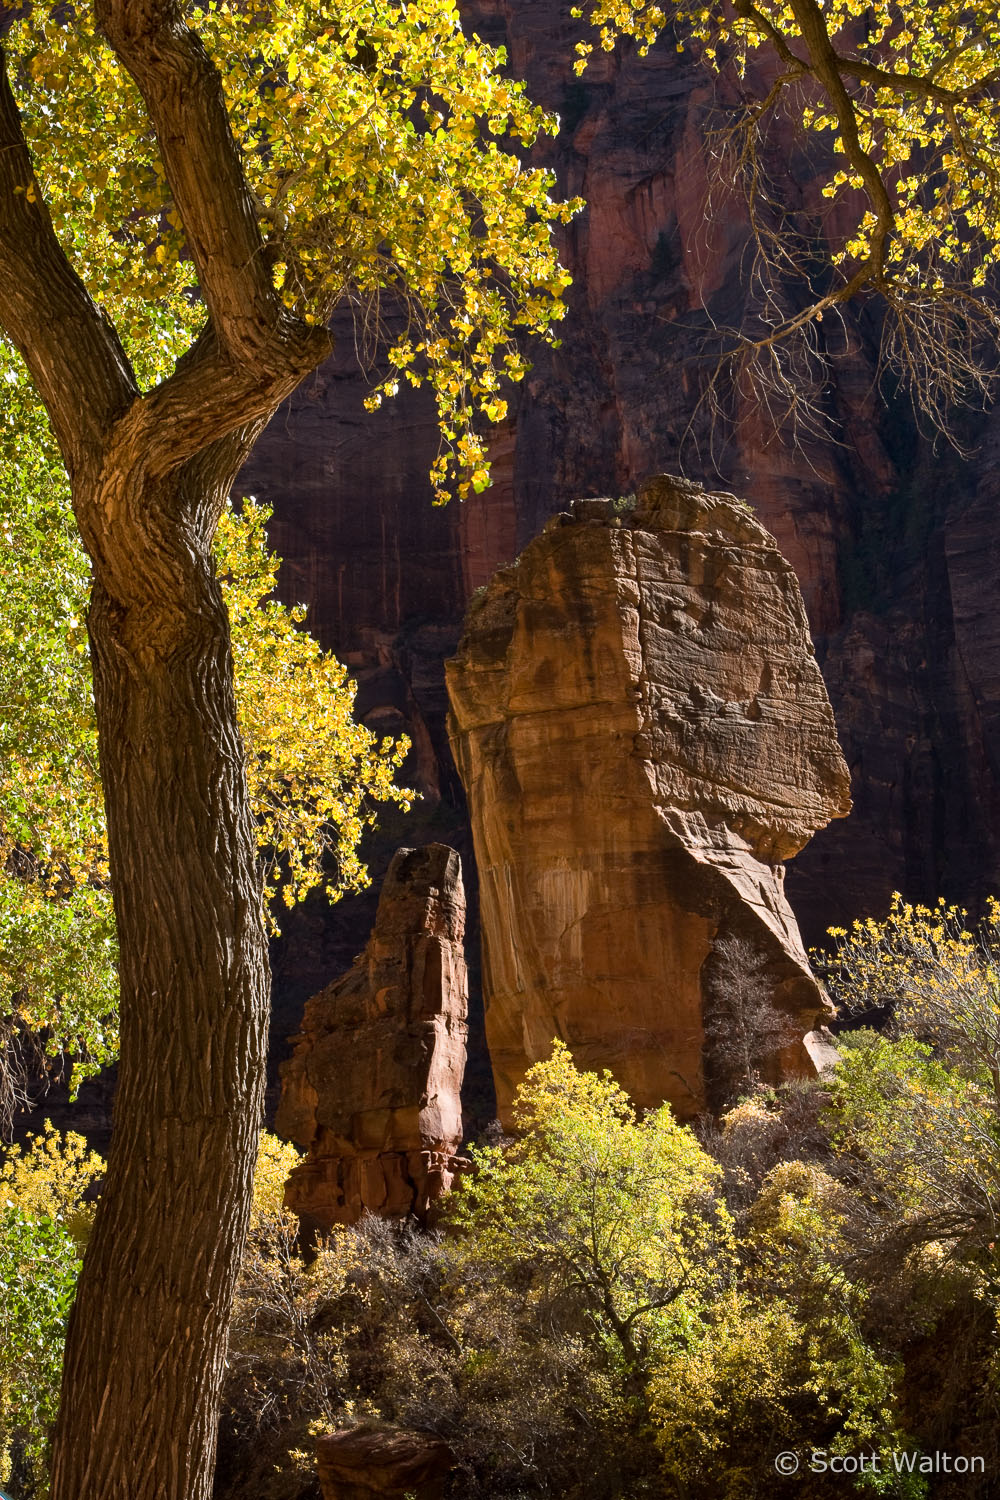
<point>146,1345</point>
<point>150,474</point>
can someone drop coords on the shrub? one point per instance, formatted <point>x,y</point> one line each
<point>522,1336</point>
<point>616,1214</point>
<point>754,1379</point>
<point>44,1222</point>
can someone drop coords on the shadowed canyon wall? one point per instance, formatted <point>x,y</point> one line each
<point>645,737</point>
<point>896,544</point>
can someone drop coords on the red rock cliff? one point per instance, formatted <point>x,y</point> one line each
<point>895,542</point>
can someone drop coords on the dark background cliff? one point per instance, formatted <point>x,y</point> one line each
<point>895,539</point>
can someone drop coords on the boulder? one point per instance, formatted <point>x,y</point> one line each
<point>360,1464</point>
<point>373,1085</point>
<point>644,737</point>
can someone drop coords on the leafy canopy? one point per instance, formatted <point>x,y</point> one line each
<point>370,138</point>
<point>369,135</point>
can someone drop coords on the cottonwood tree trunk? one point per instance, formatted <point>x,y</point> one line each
<point>157,1282</point>
<point>150,473</point>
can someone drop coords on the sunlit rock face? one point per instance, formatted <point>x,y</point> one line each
<point>373,1086</point>
<point>644,737</point>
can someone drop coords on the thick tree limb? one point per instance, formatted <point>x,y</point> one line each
<point>76,360</point>
<point>255,351</point>
<point>824,66</point>
<point>182,91</point>
<point>81,372</point>
<point>210,394</point>
<point>913,83</point>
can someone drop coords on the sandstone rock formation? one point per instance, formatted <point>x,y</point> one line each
<point>893,537</point>
<point>363,1465</point>
<point>373,1086</point>
<point>644,736</point>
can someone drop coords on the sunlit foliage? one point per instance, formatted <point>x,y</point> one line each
<point>46,1209</point>
<point>55,1177</point>
<point>758,1378</point>
<point>901,99</point>
<point>939,979</point>
<point>370,136</point>
<point>927,1138</point>
<point>316,776</point>
<point>617,1212</point>
<point>920,1107</point>
<point>275,1160</point>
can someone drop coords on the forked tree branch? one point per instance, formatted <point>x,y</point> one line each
<point>76,360</point>
<point>252,353</point>
<point>210,395</point>
<point>182,91</point>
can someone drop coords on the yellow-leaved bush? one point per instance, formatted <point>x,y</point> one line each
<point>939,977</point>
<point>918,1106</point>
<point>625,1212</point>
<point>55,1177</point>
<point>46,1209</point>
<point>275,1160</point>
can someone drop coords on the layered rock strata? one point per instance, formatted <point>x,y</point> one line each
<point>373,1085</point>
<point>644,738</point>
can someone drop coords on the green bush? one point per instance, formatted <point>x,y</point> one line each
<point>39,1265</point>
